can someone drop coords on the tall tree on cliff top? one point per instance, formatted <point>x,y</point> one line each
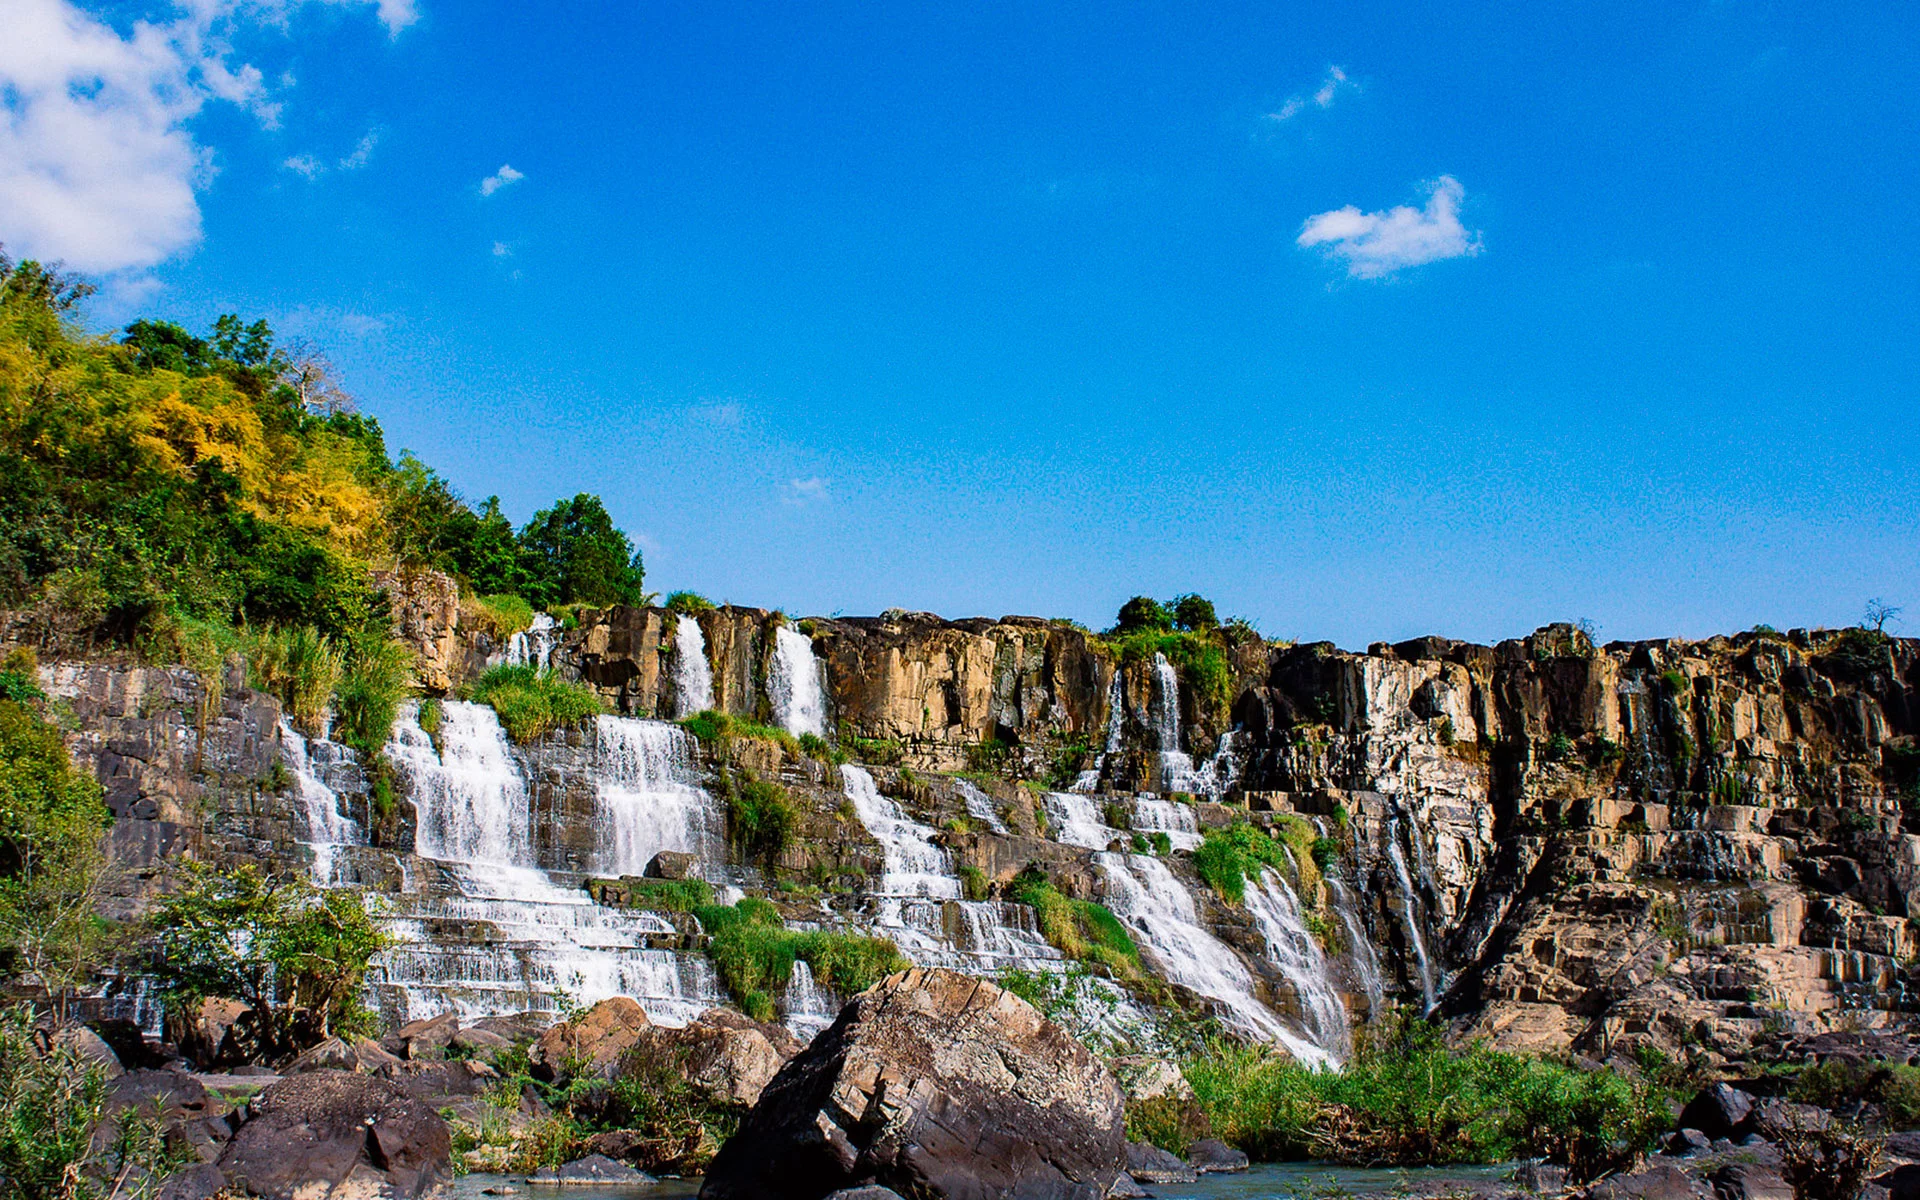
<point>572,554</point>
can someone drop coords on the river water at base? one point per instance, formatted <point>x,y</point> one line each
<point>1265,1181</point>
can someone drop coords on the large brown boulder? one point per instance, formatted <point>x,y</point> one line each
<point>728,1056</point>
<point>594,1043</point>
<point>934,1084</point>
<point>315,1132</point>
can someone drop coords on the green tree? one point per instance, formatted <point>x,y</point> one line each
<point>1194,613</point>
<point>1143,612</point>
<point>51,821</point>
<point>572,554</point>
<point>293,954</point>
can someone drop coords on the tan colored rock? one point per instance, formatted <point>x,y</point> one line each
<point>593,1043</point>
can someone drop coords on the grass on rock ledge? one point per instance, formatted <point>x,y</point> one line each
<point>532,703</point>
<point>754,954</point>
<point>1079,929</point>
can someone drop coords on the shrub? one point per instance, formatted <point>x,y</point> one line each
<point>1406,1098</point>
<point>669,895</point>
<point>1829,1162</point>
<point>1675,682</point>
<point>754,953</point>
<point>1143,613</point>
<point>1227,857</point>
<point>1079,929</point>
<point>760,818</point>
<point>49,1105</point>
<point>299,665</point>
<point>428,717</point>
<point>1326,853</point>
<point>716,730</point>
<point>373,681</point>
<point>1202,662</point>
<point>1559,746</point>
<point>688,604</point>
<point>1162,844</point>
<point>974,882</point>
<point>531,703</point>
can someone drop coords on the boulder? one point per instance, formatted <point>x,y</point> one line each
<point>88,1045</point>
<point>129,1044</point>
<point>1211,1157</point>
<point>216,1032</point>
<point>202,1181</point>
<point>515,1027</point>
<point>935,1084</point>
<point>365,1055</point>
<point>324,1129</point>
<point>671,864</point>
<point>593,1169</point>
<point>439,1082</point>
<point>1661,1182</point>
<point>481,1043</point>
<point>1750,1181</point>
<point>1772,1119</point>
<point>870,1192</point>
<point>1540,1178</point>
<point>597,1040</point>
<point>423,1040</point>
<point>726,1055</point>
<point>1683,1143</point>
<point>1125,1187</point>
<point>1151,1078</point>
<point>1901,1183</point>
<point>1717,1111</point>
<point>178,1102</point>
<point>1151,1164</point>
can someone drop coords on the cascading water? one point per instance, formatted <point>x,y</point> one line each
<point>532,646</point>
<point>1075,820</point>
<point>328,828</point>
<point>1366,963</point>
<point>1089,779</point>
<point>1293,948</point>
<point>1153,815</point>
<point>692,673</point>
<point>793,684</point>
<point>649,797</point>
<point>1176,768</point>
<point>1160,911</point>
<point>918,902</point>
<point>1410,914</point>
<point>980,806</point>
<point>541,941</point>
<point>809,1008</point>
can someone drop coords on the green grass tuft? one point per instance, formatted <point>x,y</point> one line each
<point>532,703</point>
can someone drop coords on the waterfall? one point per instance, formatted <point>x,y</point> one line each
<point>809,1008</point>
<point>542,942</point>
<point>1176,768</point>
<point>1075,820</point>
<point>1151,815</point>
<point>1366,963</point>
<point>1293,948</point>
<point>793,684</point>
<point>1410,913</point>
<point>532,646</point>
<point>979,805</point>
<point>1160,911</point>
<point>918,902</point>
<point>692,673</point>
<point>328,828</point>
<point>471,800</point>
<point>1089,779</point>
<point>916,866</point>
<point>649,798</point>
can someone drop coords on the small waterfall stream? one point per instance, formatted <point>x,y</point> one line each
<point>692,673</point>
<point>1410,914</point>
<point>1074,819</point>
<point>1293,948</point>
<point>1089,779</point>
<point>1366,961</point>
<point>1153,815</point>
<point>793,684</point>
<point>328,829</point>
<point>532,646</point>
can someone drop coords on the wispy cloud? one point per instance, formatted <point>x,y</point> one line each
<point>305,164</point>
<point>1376,244</point>
<point>502,250</point>
<point>1330,89</point>
<point>726,414</point>
<point>361,152</point>
<point>97,164</point>
<point>801,492</point>
<point>499,179</point>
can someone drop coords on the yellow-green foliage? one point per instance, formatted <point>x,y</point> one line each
<point>1079,929</point>
<point>1227,857</point>
<point>500,616</point>
<point>532,703</point>
<point>754,953</point>
<point>718,729</point>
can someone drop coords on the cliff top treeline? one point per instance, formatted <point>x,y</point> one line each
<point>156,477</point>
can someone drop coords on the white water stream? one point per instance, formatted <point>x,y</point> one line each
<point>793,684</point>
<point>649,799</point>
<point>328,829</point>
<point>692,673</point>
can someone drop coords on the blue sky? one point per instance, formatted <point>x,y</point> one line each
<point>1366,321</point>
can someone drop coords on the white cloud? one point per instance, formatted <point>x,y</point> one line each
<point>1379,243</point>
<point>305,164</point>
<point>801,492</point>
<point>726,414</point>
<point>361,152</point>
<point>499,179</point>
<point>1323,96</point>
<point>502,250</point>
<point>97,164</point>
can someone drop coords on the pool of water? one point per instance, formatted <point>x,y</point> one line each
<point>1266,1181</point>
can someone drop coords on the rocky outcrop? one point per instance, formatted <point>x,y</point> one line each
<point>346,1135</point>
<point>592,1043</point>
<point>729,1058</point>
<point>934,1084</point>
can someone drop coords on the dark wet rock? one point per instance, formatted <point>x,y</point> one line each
<point>327,1129</point>
<point>423,1040</point>
<point>88,1045</point>
<point>671,864</point>
<point>130,1045</point>
<point>177,1102</point>
<point>1904,1145</point>
<point>1773,1118</point>
<point>1683,1143</point>
<point>483,1043</point>
<point>1717,1111</point>
<point>1540,1178</point>
<point>1902,1183</point>
<point>1150,1164</point>
<point>1751,1181</point>
<point>593,1169</point>
<point>364,1055</point>
<point>202,1181</point>
<point>935,1084</point>
<point>1209,1156</point>
<point>1662,1181</point>
<point>870,1192</point>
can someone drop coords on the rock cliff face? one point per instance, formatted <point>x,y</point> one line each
<point>1563,846</point>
